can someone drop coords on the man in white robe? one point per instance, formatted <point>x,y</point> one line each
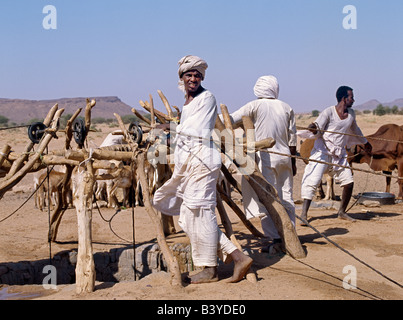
<point>191,191</point>
<point>272,118</point>
<point>331,147</point>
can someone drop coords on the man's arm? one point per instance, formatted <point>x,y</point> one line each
<point>293,151</point>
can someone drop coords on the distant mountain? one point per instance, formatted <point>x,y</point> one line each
<point>372,104</point>
<point>22,111</point>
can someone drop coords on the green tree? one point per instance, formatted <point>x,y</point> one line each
<point>395,109</point>
<point>380,110</point>
<point>315,113</point>
<point>3,120</point>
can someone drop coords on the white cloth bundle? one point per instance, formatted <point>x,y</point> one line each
<point>191,63</point>
<point>266,87</point>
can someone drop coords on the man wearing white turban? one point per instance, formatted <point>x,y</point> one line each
<point>191,191</point>
<point>275,119</point>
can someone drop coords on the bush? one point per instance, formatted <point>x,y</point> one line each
<point>3,120</point>
<point>380,110</point>
<point>315,113</point>
<point>130,118</point>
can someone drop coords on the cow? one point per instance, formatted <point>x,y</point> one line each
<point>55,181</point>
<point>305,152</point>
<point>387,153</point>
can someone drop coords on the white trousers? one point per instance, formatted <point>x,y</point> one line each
<point>314,172</point>
<point>281,178</point>
<point>205,236</point>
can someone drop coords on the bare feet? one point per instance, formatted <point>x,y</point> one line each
<point>345,216</point>
<point>207,275</point>
<point>242,264</point>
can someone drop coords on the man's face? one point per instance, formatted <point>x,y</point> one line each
<point>349,101</point>
<point>192,80</point>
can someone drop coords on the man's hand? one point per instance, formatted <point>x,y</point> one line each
<point>313,128</point>
<point>293,151</point>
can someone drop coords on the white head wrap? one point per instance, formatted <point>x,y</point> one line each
<point>266,87</point>
<point>191,63</point>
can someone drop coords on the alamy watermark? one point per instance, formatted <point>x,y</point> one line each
<point>350,20</point>
<point>195,144</point>
<point>49,22</point>
<point>50,280</point>
<point>350,280</point>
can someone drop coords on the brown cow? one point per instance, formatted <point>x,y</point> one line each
<point>386,155</point>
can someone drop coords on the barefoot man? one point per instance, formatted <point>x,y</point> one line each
<point>330,146</point>
<point>191,191</point>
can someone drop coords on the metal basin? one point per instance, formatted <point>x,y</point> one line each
<point>381,197</point>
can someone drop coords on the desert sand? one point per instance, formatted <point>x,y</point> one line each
<point>375,239</point>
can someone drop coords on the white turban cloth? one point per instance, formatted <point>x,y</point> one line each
<point>266,87</point>
<point>191,63</point>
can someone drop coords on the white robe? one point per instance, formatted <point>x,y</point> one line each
<point>272,118</point>
<point>197,160</point>
<point>191,191</point>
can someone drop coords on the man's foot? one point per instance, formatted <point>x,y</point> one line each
<point>303,222</point>
<point>304,214</point>
<point>207,275</point>
<point>241,267</point>
<point>344,216</point>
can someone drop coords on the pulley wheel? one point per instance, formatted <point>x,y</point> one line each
<point>36,132</point>
<point>79,132</point>
<point>137,132</point>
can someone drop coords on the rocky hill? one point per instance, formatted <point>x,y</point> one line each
<point>372,104</point>
<point>22,111</point>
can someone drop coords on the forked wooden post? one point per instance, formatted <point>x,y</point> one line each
<point>82,198</point>
<point>85,268</point>
<point>268,196</point>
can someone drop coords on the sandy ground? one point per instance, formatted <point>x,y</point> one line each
<point>374,241</point>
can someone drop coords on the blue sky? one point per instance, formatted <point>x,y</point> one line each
<point>130,49</point>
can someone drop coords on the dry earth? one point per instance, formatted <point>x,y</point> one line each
<point>375,239</point>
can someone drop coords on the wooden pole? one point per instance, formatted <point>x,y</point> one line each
<point>171,260</point>
<point>166,104</point>
<point>268,196</point>
<point>85,268</point>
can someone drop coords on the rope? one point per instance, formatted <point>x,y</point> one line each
<point>110,222</point>
<point>332,164</point>
<point>298,157</point>
<point>347,252</point>
<point>308,224</point>
<point>32,194</point>
<point>15,127</point>
<point>49,219</point>
<point>331,241</point>
<point>351,135</point>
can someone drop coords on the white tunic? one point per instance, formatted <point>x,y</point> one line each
<point>272,118</point>
<point>197,161</point>
<point>334,144</point>
<point>330,147</point>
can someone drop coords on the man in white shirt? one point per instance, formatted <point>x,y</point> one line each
<point>272,118</point>
<point>191,191</point>
<point>331,147</point>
